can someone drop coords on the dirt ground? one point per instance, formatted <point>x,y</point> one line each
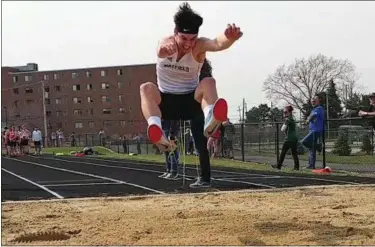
<point>323,216</point>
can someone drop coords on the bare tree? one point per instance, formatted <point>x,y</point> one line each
<point>297,83</point>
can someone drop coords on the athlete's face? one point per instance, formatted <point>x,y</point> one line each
<point>186,41</point>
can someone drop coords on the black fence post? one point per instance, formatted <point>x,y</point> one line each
<point>372,139</point>
<point>242,141</point>
<point>324,144</point>
<point>277,143</point>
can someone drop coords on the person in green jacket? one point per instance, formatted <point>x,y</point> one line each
<point>291,139</point>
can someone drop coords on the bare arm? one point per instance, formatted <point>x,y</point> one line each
<point>166,47</point>
<point>222,42</point>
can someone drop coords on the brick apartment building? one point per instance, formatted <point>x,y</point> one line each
<point>82,100</point>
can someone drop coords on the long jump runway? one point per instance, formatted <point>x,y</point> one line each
<point>49,177</point>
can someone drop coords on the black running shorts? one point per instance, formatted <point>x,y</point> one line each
<point>179,106</point>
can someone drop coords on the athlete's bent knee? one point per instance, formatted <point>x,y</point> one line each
<point>148,88</point>
<point>208,82</point>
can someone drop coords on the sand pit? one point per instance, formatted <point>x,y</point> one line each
<point>321,216</point>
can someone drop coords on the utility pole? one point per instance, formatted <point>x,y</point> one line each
<point>239,112</point>
<point>45,143</point>
<point>243,110</point>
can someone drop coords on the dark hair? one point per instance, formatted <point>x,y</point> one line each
<point>206,70</point>
<point>289,108</point>
<point>186,20</point>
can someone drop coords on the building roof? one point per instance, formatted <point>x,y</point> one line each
<point>77,69</point>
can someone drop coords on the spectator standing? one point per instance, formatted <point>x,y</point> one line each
<point>291,139</point>
<point>37,139</point>
<point>316,129</point>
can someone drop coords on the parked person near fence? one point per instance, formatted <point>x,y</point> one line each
<point>5,136</point>
<point>228,135</point>
<point>54,139</point>
<point>73,140</point>
<point>171,130</point>
<point>137,139</point>
<point>316,129</point>
<point>213,143</point>
<point>60,137</point>
<point>102,137</point>
<point>12,136</point>
<point>370,113</point>
<point>37,139</point>
<point>291,139</point>
<point>124,143</point>
<point>24,143</point>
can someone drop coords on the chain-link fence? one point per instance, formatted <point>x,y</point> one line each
<point>347,144</point>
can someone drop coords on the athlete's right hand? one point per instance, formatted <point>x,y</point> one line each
<point>168,47</point>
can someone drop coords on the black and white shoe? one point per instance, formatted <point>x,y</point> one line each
<point>200,183</point>
<point>172,176</point>
<point>164,175</point>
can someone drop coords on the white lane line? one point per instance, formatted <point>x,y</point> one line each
<point>243,182</point>
<point>190,168</point>
<point>33,183</point>
<point>44,182</point>
<point>109,166</point>
<point>64,185</point>
<point>89,175</point>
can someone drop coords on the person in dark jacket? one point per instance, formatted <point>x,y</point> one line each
<point>291,139</point>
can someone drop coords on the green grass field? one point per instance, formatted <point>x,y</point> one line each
<point>189,160</point>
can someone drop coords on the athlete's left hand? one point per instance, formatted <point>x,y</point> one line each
<point>232,32</point>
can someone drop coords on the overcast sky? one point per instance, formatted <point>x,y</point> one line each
<point>63,35</point>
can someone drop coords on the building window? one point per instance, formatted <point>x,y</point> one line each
<point>121,98</point>
<point>122,123</point>
<point>103,73</point>
<point>88,74</point>
<point>121,110</point>
<point>90,111</point>
<point>16,91</point>
<point>89,99</point>
<point>119,72</point>
<point>59,114</point>
<point>16,103</point>
<point>89,86</point>
<point>58,101</point>
<point>17,116</point>
<point>78,125</point>
<point>75,75</point>
<point>29,90</point>
<point>106,123</point>
<point>76,87</point>
<point>47,101</point>
<point>46,89</point>
<point>77,112</point>
<point>56,76</point>
<point>29,102</point>
<point>77,100</point>
<point>57,88</point>
<point>46,77</point>
<point>28,78</point>
<point>105,85</point>
<point>48,113</point>
<point>120,84</point>
<point>91,124</point>
<point>105,99</point>
<point>59,125</point>
<point>15,79</point>
<point>106,111</point>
